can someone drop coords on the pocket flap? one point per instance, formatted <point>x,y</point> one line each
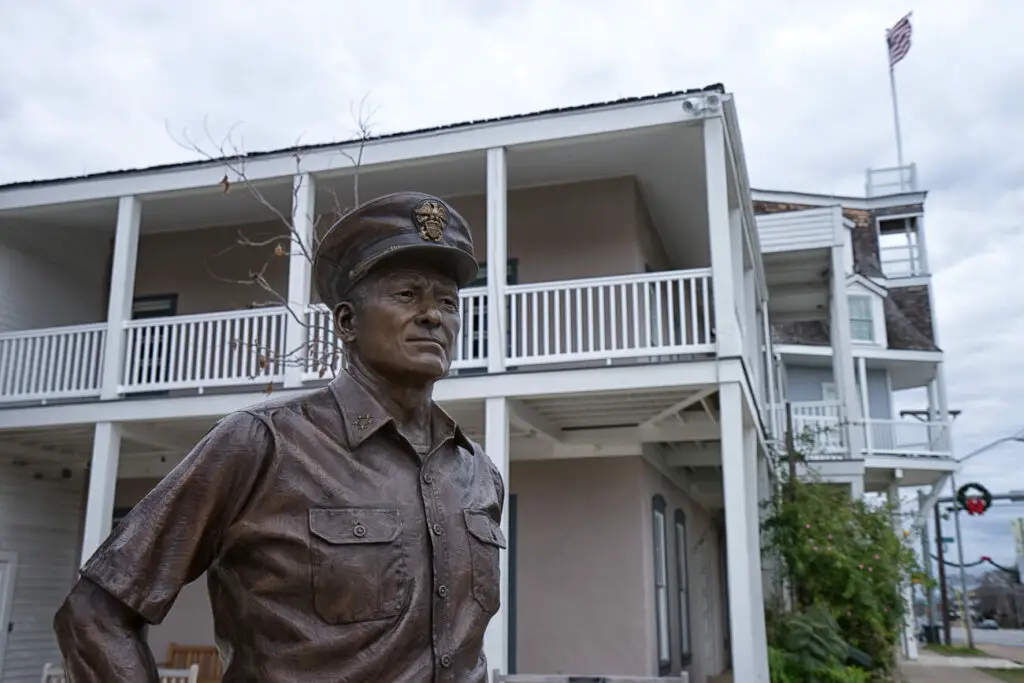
<point>485,529</point>
<point>342,526</point>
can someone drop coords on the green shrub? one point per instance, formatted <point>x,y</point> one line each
<point>842,558</point>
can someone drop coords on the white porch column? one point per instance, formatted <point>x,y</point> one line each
<point>865,404</point>
<point>908,637</point>
<point>720,238</point>
<point>743,553</point>
<point>122,292</point>
<point>842,352</point>
<point>496,444</point>
<point>300,276</point>
<point>497,258</point>
<point>99,507</point>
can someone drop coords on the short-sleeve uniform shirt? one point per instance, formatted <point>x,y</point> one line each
<point>334,552</point>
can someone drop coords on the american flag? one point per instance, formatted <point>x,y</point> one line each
<point>898,38</point>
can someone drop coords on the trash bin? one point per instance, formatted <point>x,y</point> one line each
<point>931,634</point>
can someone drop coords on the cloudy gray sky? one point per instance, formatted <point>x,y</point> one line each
<point>94,86</point>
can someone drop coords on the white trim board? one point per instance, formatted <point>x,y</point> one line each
<point>411,147</point>
<point>513,384</point>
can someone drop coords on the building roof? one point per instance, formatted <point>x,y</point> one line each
<point>642,99</point>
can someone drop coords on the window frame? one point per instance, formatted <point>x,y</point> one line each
<point>870,320</point>
<point>683,586</point>
<point>662,609</point>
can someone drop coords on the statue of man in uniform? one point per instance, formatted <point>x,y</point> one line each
<point>348,534</point>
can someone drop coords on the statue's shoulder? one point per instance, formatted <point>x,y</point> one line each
<point>290,404</point>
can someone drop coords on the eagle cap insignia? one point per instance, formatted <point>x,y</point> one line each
<point>430,217</point>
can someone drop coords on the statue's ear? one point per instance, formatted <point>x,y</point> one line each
<point>345,322</point>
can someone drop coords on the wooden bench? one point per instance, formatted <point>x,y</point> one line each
<point>206,657</point>
<point>498,677</point>
<point>53,673</point>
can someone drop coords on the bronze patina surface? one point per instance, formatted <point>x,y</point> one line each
<point>349,534</point>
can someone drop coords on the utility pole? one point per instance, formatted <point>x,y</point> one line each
<point>943,599</point>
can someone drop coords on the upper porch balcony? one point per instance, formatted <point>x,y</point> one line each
<point>595,250</point>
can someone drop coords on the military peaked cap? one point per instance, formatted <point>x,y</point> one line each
<point>402,223</point>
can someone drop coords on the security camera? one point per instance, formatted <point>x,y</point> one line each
<point>692,105</point>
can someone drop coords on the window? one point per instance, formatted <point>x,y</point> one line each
<point>862,323</point>
<point>661,585</point>
<point>683,587</point>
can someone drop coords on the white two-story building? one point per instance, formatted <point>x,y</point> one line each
<point>623,359</point>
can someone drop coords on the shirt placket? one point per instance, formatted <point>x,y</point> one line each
<point>434,513</point>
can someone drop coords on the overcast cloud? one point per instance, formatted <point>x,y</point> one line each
<point>88,87</point>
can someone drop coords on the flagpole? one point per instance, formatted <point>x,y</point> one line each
<point>896,116</point>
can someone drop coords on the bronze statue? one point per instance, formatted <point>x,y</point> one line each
<point>351,534</point>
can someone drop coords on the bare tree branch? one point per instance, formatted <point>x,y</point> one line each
<point>233,157</point>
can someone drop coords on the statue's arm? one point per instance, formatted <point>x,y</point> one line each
<point>167,541</point>
<point>102,639</point>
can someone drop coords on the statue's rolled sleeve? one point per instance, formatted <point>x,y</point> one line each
<point>173,534</point>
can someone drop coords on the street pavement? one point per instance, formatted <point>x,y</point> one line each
<point>1001,637</point>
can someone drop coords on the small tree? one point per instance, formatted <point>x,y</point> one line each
<point>266,250</point>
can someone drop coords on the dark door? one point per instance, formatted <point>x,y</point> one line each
<point>150,357</point>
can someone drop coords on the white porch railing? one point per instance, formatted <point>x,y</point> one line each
<point>205,351</point>
<point>649,316</point>
<point>818,429</point>
<point>53,363</point>
<point>904,260</point>
<point>655,314</point>
<point>891,180</point>
<point>911,438</point>
<point>324,351</point>
<point>820,433</point>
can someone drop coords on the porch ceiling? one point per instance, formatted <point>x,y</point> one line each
<point>667,162</point>
<point>72,446</point>
<point>798,284</point>
<point>615,409</point>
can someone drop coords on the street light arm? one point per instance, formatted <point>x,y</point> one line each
<point>987,447</point>
<point>929,501</point>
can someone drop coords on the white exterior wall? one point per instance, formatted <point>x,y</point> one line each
<point>39,520</point>
<point>795,230</point>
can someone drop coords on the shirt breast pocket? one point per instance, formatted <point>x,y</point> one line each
<point>358,563</point>
<point>485,543</point>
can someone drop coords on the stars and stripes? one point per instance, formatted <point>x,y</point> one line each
<point>898,38</point>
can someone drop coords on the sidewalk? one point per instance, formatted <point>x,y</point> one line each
<point>1014,654</point>
<point>933,668</point>
<point>943,674</point>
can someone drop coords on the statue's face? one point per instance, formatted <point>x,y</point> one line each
<point>404,324</point>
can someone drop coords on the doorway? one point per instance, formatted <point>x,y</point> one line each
<point>151,356</point>
<point>8,568</point>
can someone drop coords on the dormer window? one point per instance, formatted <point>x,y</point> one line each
<point>866,307</point>
<point>862,322</point>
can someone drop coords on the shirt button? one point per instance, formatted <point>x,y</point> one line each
<point>359,531</point>
<point>437,529</point>
<point>428,478</point>
<point>442,591</point>
<point>446,661</point>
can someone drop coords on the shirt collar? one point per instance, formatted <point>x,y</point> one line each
<point>362,415</point>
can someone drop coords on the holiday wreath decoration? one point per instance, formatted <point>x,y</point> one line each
<point>974,498</point>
